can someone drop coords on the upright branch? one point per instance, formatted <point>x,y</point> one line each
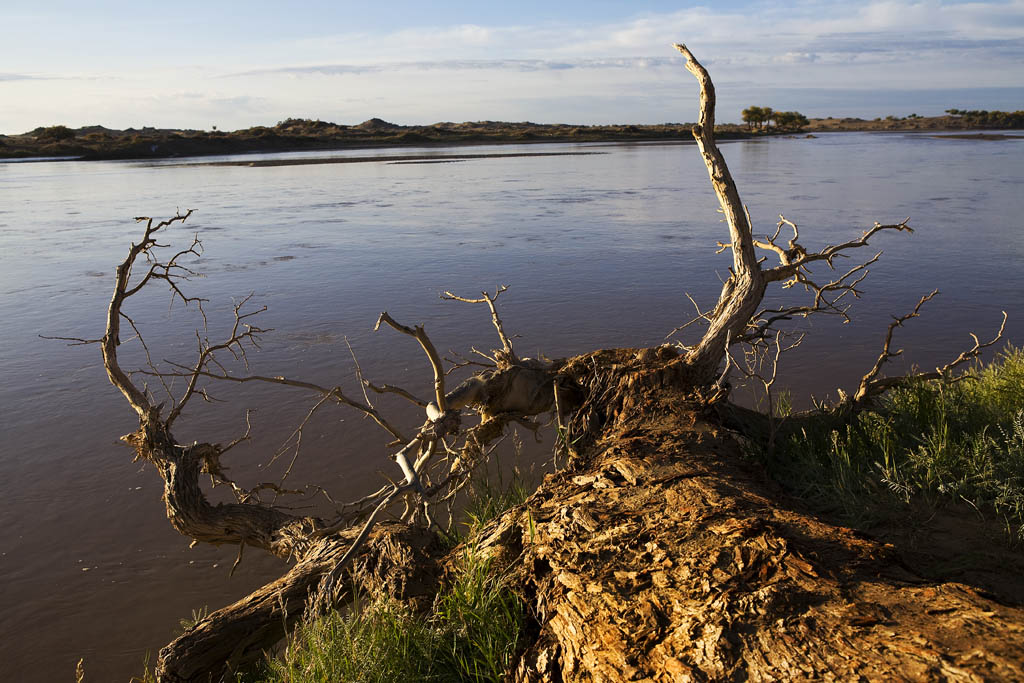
<point>745,287</point>
<point>744,260</point>
<point>420,335</point>
<point>506,356</point>
<point>736,317</point>
<point>170,271</point>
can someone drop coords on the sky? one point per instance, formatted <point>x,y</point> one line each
<point>191,64</point>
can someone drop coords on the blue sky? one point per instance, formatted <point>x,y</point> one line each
<point>231,64</point>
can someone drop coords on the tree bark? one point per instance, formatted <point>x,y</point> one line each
<point>664,556</point>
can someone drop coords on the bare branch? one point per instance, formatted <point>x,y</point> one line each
<point>701,315</point>
<point>241,333</point>
<point>460,361</point>
<point>389,389</point>
<point>135,396</point>
<point>744,289</point>
<point>334,392</point>
<point>420,335</point>
<point>359,373</point>
<point>74,341</point>
<point>796,258</point>
<point>744,262</point>
<point>887,353</point>
<point>297,436</point>
<point>508,356</point>
<point>241,439</point>
<point>871,385</point>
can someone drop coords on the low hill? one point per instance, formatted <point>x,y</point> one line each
<point>296,134</point>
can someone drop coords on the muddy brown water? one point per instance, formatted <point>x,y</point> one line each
<point>597,251</point>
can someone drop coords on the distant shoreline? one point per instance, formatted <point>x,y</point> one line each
<point>96,143</point>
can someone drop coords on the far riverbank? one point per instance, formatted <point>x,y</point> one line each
<point>304,135</point>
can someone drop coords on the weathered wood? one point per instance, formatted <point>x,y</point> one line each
<point>664,556</point>
<point>743,291</point>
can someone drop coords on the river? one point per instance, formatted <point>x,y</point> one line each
<point>598,250</point>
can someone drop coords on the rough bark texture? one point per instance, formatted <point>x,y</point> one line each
<point>662,555</point>
<point>742,292</point>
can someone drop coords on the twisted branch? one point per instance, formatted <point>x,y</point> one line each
<point>871,385</point>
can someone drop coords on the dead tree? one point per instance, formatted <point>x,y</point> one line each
<point>328,554</point>
<point>737,317</point>
<point>607,401</point>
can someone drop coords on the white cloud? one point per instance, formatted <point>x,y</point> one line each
<point>796,58</point>
<point>465,65</point>
<point>936,35</point>
<point>525,71</point>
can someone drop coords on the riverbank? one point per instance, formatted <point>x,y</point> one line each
<point>304,135</point>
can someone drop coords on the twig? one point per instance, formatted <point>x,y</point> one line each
<point>508,356</point>
<point>420,335</point>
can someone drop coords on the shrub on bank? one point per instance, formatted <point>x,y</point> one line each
<point>935,442</point>
<point>54,133</point>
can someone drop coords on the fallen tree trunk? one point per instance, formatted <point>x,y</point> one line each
<point>662,555</point>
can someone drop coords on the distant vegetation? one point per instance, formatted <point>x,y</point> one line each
<point>761,118</point>
<point>53,133</point>
<point>298,134</point>
<point>993,119</point>
<point>953,120</point>
<point>790,120</point>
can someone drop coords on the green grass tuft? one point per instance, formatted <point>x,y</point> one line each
<point>378,642</point>
<point>490,496</point>
<point>472,634</point>
<point>479,620</point>
<point>931,441</point>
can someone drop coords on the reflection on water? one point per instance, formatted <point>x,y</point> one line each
<point>597,251</point>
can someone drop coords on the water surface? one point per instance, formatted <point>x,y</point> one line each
<point>597,250</point>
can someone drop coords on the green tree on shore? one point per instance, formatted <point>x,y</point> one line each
<point>760,118</point>
<point>790,120</point>
<point>757,117</point>
<point>993,119</point>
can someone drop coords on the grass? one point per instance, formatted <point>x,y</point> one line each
<point>490,496</point>
<point>934,442</point>
<point>197,616</point>
<point>380,641</point>
<point>471,635</point>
